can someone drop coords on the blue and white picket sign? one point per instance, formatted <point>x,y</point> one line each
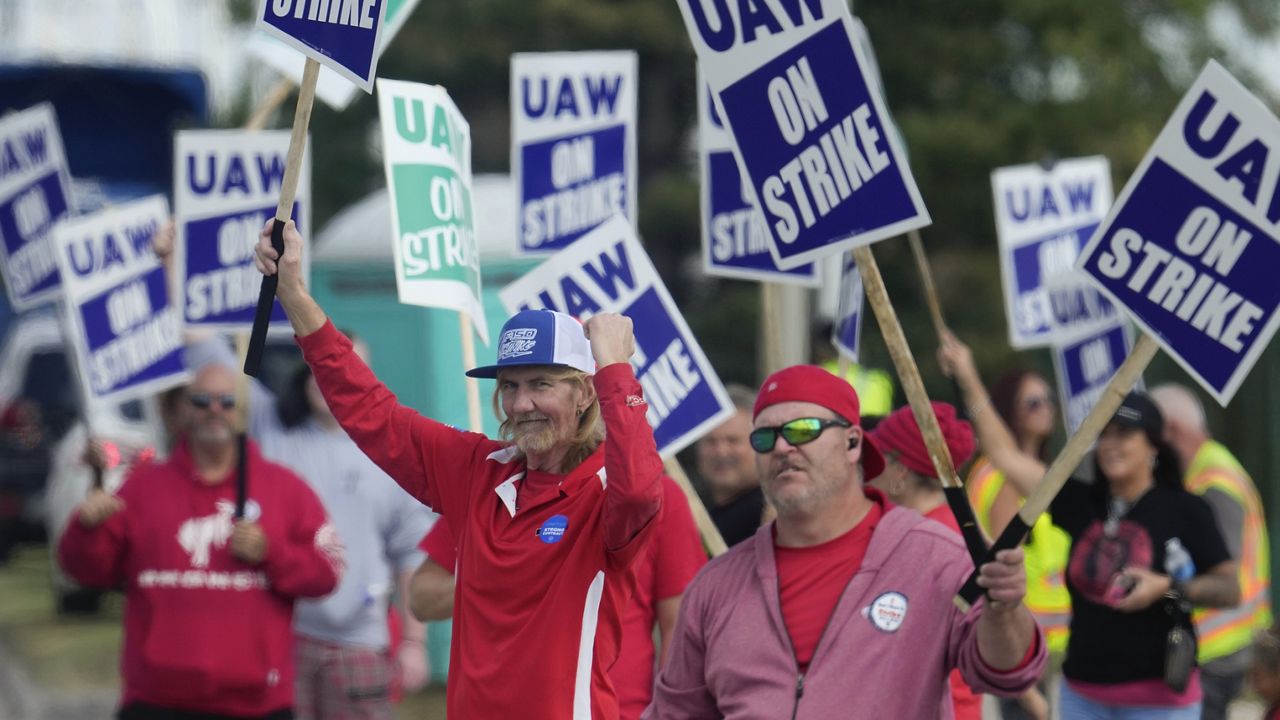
<point>333,89</point>
<point>608,271</point>
<point>1085,364</point>
<point>573,144</point>
<point>1192,245</point>
<point>734,241</point>
<point>34,195</point>
<point>124,328</point>
<point>809,131</point>
<point>226,187</point>
<point>1043,218</point>
<point>342,35</point>
<point>846,331</point>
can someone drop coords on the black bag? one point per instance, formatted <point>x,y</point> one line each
<point>1180,644</point>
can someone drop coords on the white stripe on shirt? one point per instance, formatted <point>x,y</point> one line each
<point>586,649</point>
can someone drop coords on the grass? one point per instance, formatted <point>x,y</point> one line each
<point>66,655</point>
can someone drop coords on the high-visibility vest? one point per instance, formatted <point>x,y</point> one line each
<point>1223,632</point>
<point>1046,554</point>
<point>874,387</point>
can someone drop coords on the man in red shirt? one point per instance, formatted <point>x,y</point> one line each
<point>208,626</point>
<point>910,480</point>
<point>663,571</point>
<point>548,521</point>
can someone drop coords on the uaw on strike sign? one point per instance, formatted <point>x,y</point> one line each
<point>608,271</point>
<point>573,144</point>
<point>734,241</point>
<point>1043,219</point>
<point>809,132</point>
<point>226,187</point>
<point>340,34</point>
<point>34,184</point>
<point>1192,245</point>
<point>126,332</point>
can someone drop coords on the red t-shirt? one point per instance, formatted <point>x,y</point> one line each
<point>968,704</point>
<point>438,545</point>
<point>662,572</point>
<point>812,579</point>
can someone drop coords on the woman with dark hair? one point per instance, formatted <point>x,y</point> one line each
<point>1143,552</point>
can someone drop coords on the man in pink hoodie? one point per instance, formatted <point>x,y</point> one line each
<point>843,606</point>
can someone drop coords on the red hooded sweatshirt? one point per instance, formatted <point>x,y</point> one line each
<point>202,630</point>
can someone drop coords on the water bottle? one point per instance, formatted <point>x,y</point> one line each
<point>1177,561</point>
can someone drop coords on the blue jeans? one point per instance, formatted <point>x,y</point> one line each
<point>1078,707</point>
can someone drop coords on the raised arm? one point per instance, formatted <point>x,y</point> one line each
<point>1022,471</point>
<point>633,494</point>
<point>415,451</point>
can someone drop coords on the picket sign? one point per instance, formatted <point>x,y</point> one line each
<point>225,189</point>
<point>734,241</point>
<point>826,171</point>
<point>124,330</point>
<point>343,36</point>
<point>573,144</point>
<point>1189,251</point>
<point>1043,219</point>
<point>35,193</point>
<point>332,88</point>
<point>1084,364</point>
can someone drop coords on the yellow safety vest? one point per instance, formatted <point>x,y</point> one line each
<point>1046,556</point>
<point>874,387</point>
<point>1223,632</point>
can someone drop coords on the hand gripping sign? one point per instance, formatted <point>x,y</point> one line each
<point>340,34</point>
<point>734,241</point>
<point>427,149</point>
<point>1043,219</point>
<point>608,271</point>
<point>1189,249</point>
<point>123,326</point>
<point>809,132</point>
<point>226,186</point>
<point>573,144</point>
<point>34,194</point>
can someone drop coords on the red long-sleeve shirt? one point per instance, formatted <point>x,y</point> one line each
<point>203,630</point>
<point>540,591</point>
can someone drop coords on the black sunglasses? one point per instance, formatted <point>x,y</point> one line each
<point>204,400</point>
<point>796,432</point>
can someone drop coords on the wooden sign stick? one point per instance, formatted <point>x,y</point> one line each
<point>288,189</point>
<point>913,386</point>
<point>926,280</point>
<point>276,95</point>
<point>1067,461</point>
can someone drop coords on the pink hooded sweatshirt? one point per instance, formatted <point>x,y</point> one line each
<point>886,652</point>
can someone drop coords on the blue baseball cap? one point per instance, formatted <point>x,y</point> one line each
<point>540,337</point>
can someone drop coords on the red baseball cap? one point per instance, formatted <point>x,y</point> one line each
<point>812,384</point>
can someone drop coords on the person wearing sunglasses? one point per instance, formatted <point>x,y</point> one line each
<point>548,519</point>
<point>209,597</point>
<point>843,606</point>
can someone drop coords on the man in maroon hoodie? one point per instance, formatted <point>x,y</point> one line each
<point>208,598</point>
<point>843,606</point>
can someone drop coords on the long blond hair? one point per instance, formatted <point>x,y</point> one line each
<point>590,431</point>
